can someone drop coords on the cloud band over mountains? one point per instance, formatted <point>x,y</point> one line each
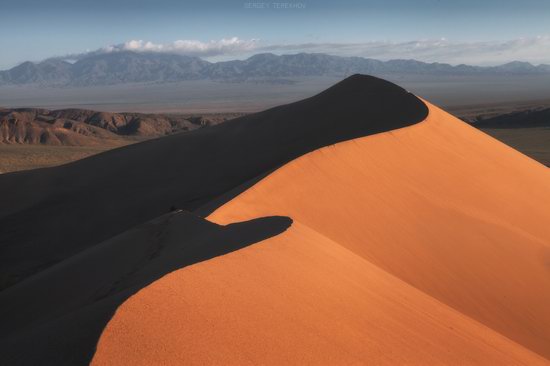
<point>535,50</point>
<point>232,45</point>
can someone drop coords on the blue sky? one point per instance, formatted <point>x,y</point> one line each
<point>476,32</point>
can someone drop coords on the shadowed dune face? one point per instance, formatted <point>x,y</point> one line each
<point>424,245</point>
<point>78,205</point>
<point>57,316</point>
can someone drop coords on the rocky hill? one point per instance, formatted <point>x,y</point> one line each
<point>80,127</point>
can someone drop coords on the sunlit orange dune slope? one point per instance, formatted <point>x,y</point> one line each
<point>423,245</point>
<point>296,299</point>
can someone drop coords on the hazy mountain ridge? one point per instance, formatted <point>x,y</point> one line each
<point>134,67</point>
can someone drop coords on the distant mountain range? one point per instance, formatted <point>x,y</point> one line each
<point>138,67</point>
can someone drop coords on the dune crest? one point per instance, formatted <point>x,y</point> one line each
<point>94,199</point>
<point>440,205</point>
<point>423,245</point>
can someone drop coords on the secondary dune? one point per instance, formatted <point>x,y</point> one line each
<point>296,299</point>
<point>56,317</point>
<point>424,245</point>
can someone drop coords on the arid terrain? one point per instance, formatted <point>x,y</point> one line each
<point>24,157</point>
<point>533,142</point>
<point>33,140</point>
<point>360,225</point>
<point>36,138</point>
<point>525,130</point>
<point>299,183</point>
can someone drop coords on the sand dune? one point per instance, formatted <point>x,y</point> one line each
<point>411,243</point>
<point>424,245</point>
<point>297,298</point>
<point>56,317</point>
<point>440,205</point>
<point>75,206</point>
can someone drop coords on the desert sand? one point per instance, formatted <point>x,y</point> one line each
<point>74,207</point>
<point>359,226</point>
<point>56,317</point>
<point>77,240</point>
<point>296,299</point>
<point>427,244</point>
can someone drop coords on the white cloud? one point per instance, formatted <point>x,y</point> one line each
<point>223,46</point>
<point>535,50</point>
